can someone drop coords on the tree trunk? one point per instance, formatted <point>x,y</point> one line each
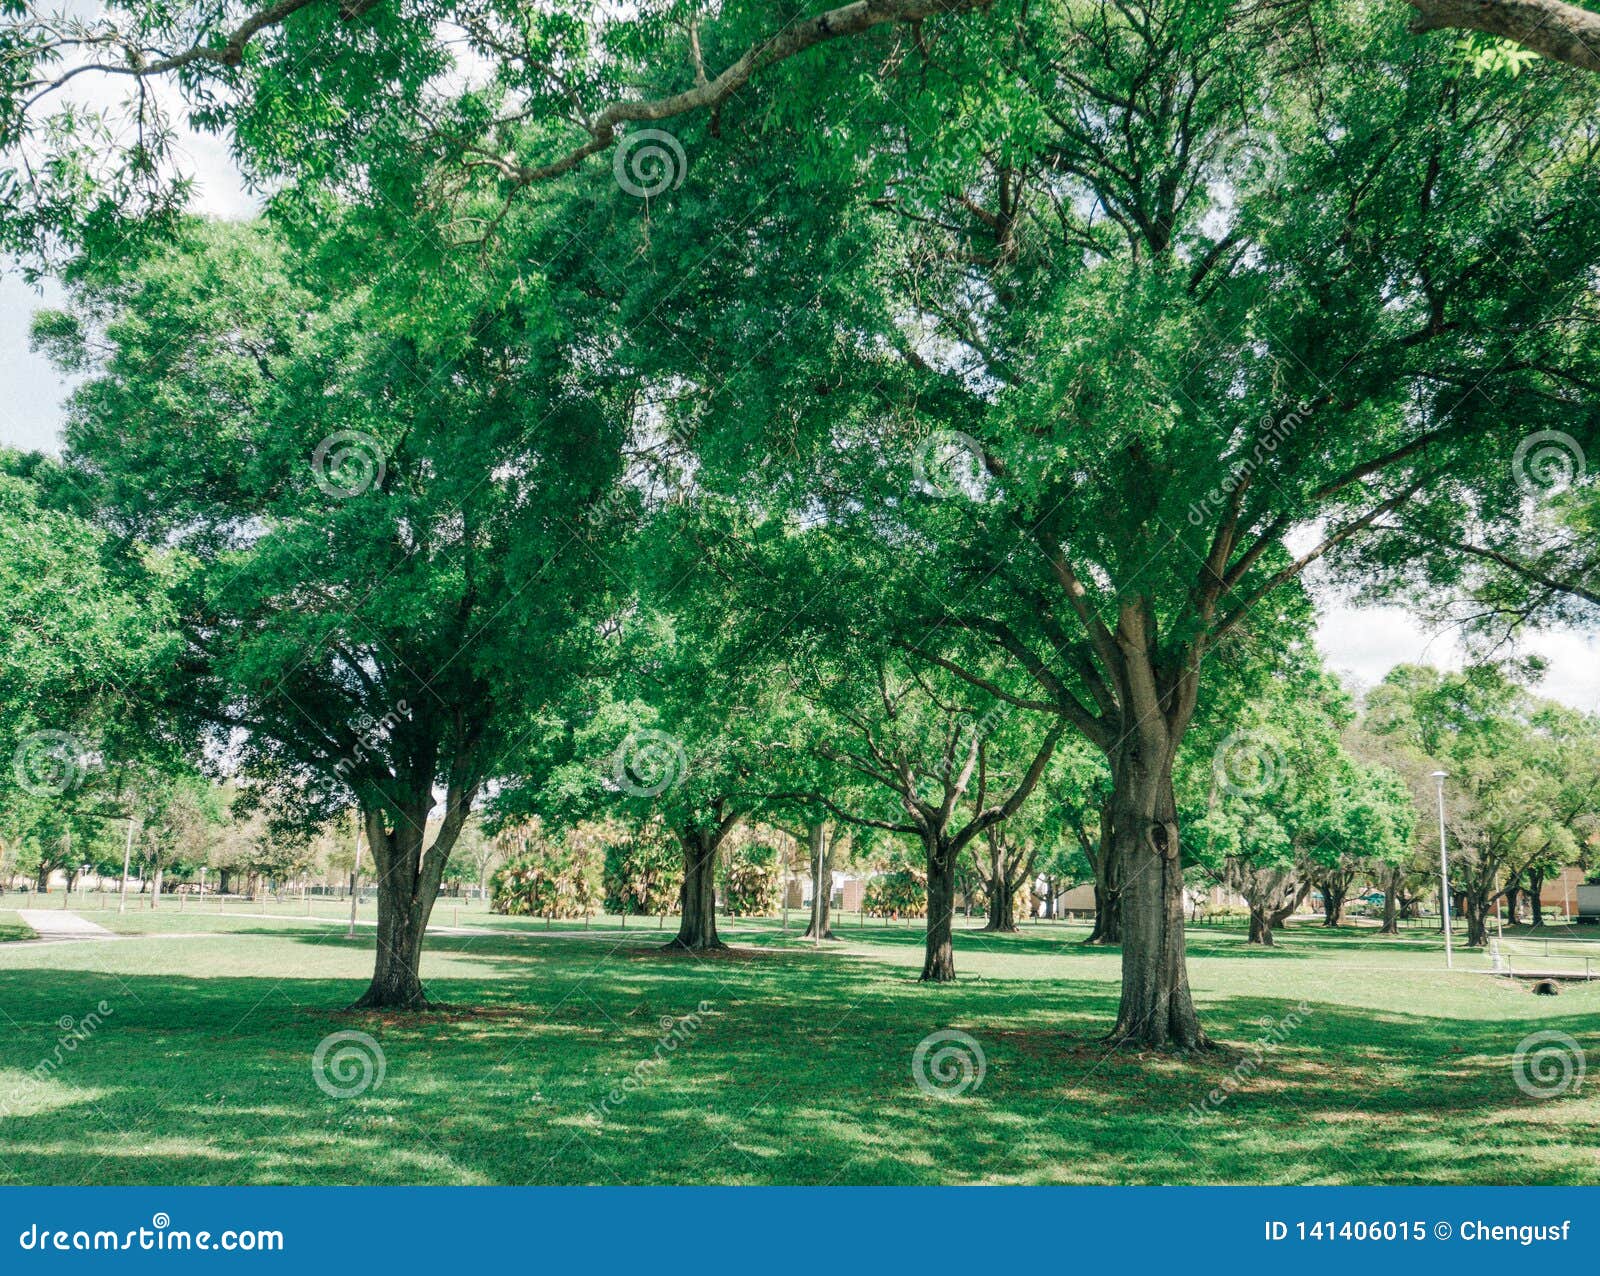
<point>1002,906</point>
<point>42,882</point>
<point>1157,1010</point>
<point>155,885</point>
<point>1107,928</point>
<point>1535,904</point>
<point>397,974</point>
<point>697,923</point>
<point>225,882</point>
<point>1260,927</point>
<point>821,850</point>
<point>1004,879</point>
<point>1477,911</point>
<point>409,875</point>
<point>939,959</point>
<point>1391,910</point>
<point>1333,898</point>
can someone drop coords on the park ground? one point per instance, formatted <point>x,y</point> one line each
<point>182,1052</point>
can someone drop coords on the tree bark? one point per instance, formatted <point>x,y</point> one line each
<point>1477,911</point>
<point>820,846</point>
<point>1260,927</point>
<point>1564,32</point>
<point>697,923</point>
<point>1157,1010</point>
<point>1391,909</point>
<point>1107,929</point>
<point>1002,907</point>
<point>409,873</point>
<point>939,959</point>
<point>1334,894</point>
<point>1535,904</point>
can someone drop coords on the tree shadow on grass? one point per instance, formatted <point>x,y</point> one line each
<point>580,1063</point>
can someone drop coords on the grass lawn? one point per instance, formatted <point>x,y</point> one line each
<point>13,927</point>
<point>1380,1067</point>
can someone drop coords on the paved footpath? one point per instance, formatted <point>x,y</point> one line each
<point>58,924</point>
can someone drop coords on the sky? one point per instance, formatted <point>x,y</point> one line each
<point>1360,643</point>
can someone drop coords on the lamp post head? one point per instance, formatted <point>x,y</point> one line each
<point>1440,775</point>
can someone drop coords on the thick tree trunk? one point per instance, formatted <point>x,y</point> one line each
<point>939,958</point>
<point>409,874</point>
<point>1477,912</point>
<point>1260,927</point>
<point>697,924</point>
<point>1157,1010</point>
<point>1004,879</point>
<point>42,881</point>
<point>225,881</point>
<point>820,846</point>
<point>1002,906</point>
<point>1535,904</point>
<point>397,974</point>
<point>1333,899</point>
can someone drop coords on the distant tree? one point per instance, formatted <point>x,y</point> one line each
<point>1523,775</point>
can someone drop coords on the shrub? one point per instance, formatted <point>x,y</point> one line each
<point>546,880</point>
<point>643,874</point>
<point>900,892</point>
<point>750,881</point>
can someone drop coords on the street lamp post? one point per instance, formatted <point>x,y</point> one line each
<point>1444,874</point>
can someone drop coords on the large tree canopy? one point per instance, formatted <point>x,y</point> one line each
<point>377,515</point>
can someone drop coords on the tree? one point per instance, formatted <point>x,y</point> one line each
<point>940,764</point>
<point>1524,775</point>
<point>1026,408</point>
<point>643,871</point>
<point>370,503</point>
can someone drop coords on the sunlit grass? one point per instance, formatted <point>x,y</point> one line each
<point>1379,1066</point>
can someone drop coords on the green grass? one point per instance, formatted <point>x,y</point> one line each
<point>1389,1070</point>
<point>13,927</point>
